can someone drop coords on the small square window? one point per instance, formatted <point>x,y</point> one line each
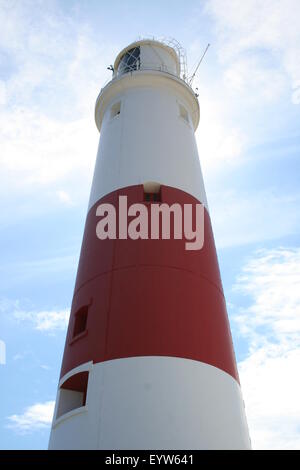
<point>80,321</point>
<point>72,393</point>
<point>152,197</point>
<point>183,113</point>
<point>115,109</point>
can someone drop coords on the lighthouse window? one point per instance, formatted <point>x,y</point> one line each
<point>72,393</point>
<point>152,197</point>
<point>80,320</point>
<point>130,61</point>
<point>115,109</point>
<point>183,113</point>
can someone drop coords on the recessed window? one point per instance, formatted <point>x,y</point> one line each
<point>115,109</point>
<point>80,321</point>
<point>183,113</point>
<point>130,61</point>
<point>72,393</point>
<point>152,191</point>
<point>152,197</point>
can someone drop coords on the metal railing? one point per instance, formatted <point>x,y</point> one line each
<point>136,66</point>
<point>180,51</point>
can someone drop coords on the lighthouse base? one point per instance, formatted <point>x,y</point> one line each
<point>154,402</point>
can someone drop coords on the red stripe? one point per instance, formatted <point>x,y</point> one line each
<point>149,297</point>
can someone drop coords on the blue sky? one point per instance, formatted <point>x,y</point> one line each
<point>53,62</point>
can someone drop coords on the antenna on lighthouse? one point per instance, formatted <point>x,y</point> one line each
<point>202,57</point>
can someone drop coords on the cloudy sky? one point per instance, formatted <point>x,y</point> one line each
<point>53,62</point>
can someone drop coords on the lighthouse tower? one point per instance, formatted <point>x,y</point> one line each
<point>148,360</point>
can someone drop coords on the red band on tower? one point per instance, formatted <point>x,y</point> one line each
<point>149,297</point>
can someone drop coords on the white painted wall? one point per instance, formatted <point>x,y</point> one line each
<point>147,141</point>
<point>159,58</point>
<point>68,400</point>
<point>156,403</point>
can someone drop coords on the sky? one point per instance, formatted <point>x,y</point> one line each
<point>53,62</point>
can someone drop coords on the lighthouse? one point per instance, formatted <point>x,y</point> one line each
<point>148,360</point>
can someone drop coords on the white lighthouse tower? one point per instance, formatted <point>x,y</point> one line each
<point>148,360</point>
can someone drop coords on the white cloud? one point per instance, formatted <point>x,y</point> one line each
<point>64,197</point>
<point>14,274</point>
<point>54,68</point>
<point>240,218</point>
<point>35,417</point>
<point>220,144</point>
<point>272,278</point>
<point>39,150</point>
<point>270,386</point>
<point>269,375</point>
<point>18,356</point>
<point>2,93</point>
<point>296,92</point>
<point>256,81</point>
<point>45,320</point>
<point>267,31</point>
<point>6,305</point>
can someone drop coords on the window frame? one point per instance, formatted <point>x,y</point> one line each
<point>76,384</point>
<point>84,309</point>
<point>152,197</point>
<point>184,114</point>
<point>115,110</point>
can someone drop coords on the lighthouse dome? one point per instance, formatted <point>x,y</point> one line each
<point>148,54</point>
